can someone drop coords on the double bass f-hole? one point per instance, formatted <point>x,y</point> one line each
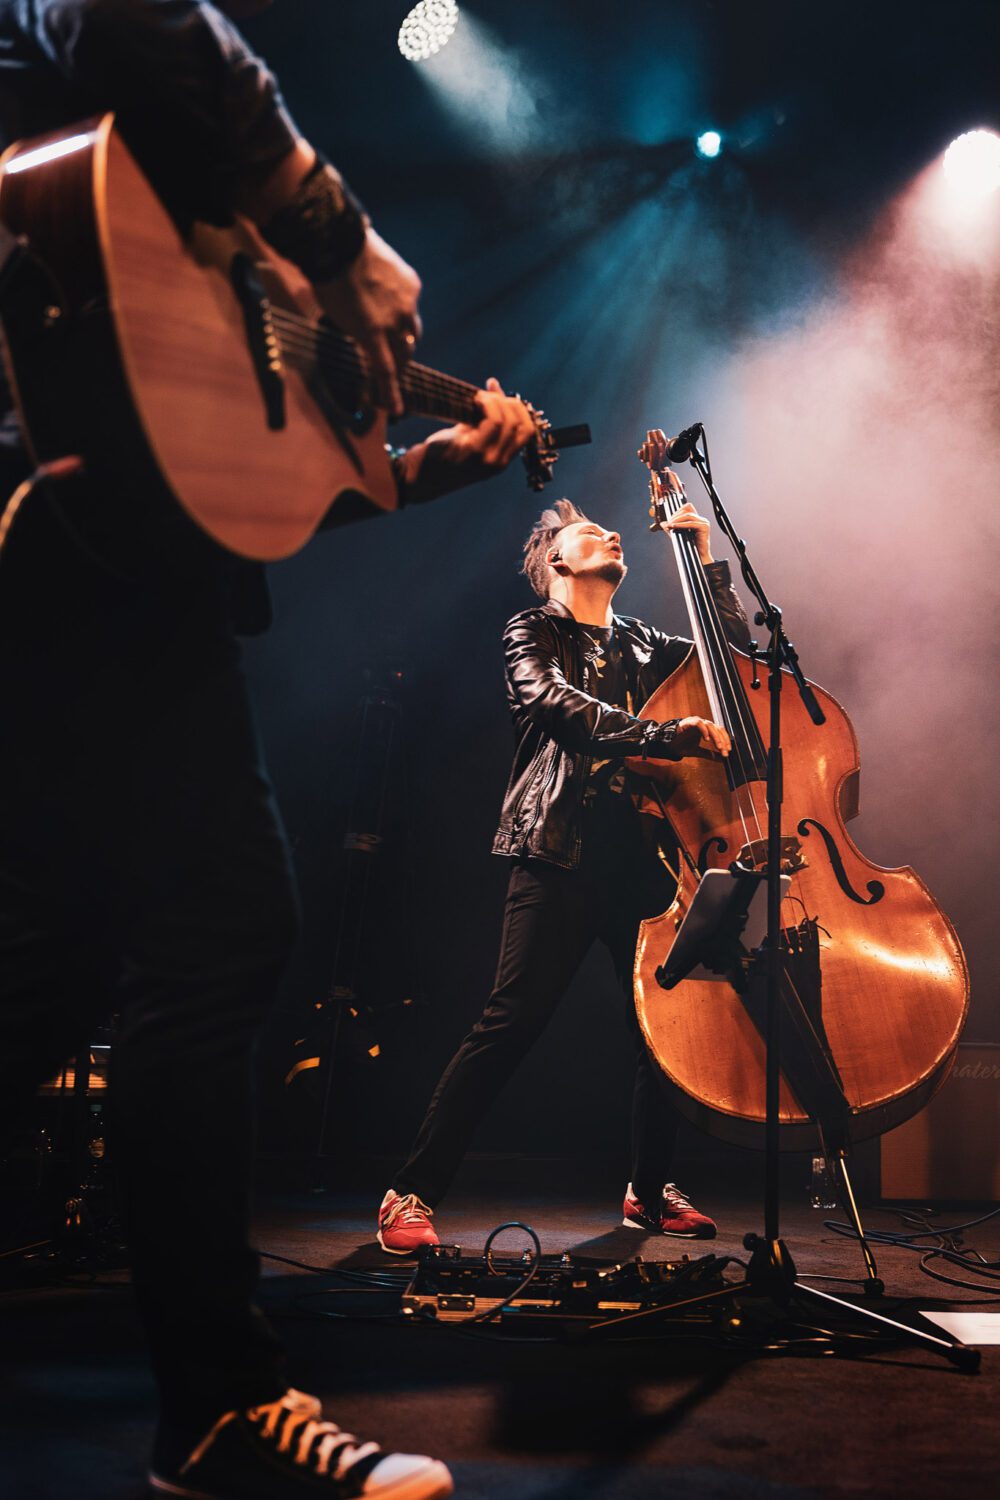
<point>875,888</point>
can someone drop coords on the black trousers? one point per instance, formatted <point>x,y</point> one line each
<point>552,918</point>
<point>144,870</point>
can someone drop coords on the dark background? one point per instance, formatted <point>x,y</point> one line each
<point>800,297</point>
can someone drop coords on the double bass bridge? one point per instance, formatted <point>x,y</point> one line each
<point>753,856</point>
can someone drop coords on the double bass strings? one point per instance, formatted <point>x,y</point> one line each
<point>734,711</point>
<point>732,688</point>
<point>735,698</point>
<point>719,707</point>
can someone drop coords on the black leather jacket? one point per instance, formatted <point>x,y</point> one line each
<point>560,728</point>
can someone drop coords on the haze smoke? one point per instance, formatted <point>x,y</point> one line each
<point>869,446</point>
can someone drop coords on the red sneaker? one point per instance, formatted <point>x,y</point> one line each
<point>404,1224</point>
<point>676,1216</point>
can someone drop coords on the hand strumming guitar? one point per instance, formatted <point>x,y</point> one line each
<point>375,301</point>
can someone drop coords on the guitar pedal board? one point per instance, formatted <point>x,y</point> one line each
<point>449,1286</point>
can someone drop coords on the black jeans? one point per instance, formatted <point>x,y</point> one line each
<point>144,870</point>
<point>551,919</point>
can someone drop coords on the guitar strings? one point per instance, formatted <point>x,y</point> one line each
<point>421,381</point>
<point>301,336</point>
<point>316,335</point>
<point>436,397</point>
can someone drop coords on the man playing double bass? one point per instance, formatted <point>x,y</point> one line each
<point>581,867</point>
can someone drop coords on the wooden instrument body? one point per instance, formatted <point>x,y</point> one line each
<point>130,341</point>
<point>894,991</point>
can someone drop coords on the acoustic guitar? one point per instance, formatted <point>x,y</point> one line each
<point>197,366</point>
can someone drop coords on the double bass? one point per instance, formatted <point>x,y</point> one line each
<point>874,989</point>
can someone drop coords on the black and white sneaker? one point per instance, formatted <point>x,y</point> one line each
<point>286,1451</point>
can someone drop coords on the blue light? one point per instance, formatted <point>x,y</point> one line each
<point>708,144</point>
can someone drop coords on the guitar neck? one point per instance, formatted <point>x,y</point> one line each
<point>429,393</point>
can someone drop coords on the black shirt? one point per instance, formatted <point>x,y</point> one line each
<point>607,679</point>
<point>199,111</point>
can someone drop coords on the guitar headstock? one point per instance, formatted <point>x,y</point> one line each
<point>540,454</point>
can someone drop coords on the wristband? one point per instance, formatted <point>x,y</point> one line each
<point>659,737</point>
<point>321,227</point>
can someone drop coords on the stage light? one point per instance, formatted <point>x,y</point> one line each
<point>972,163</point>
<point>426,29</point>
<point>708,144</point>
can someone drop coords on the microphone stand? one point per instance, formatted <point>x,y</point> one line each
<point>772,1271</point>
<point>771,1251</point>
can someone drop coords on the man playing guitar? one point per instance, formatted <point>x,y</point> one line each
<point>144,867</point>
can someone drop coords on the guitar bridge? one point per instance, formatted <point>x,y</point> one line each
<point>265,351</point>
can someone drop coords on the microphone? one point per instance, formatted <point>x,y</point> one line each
<point>681,447</point>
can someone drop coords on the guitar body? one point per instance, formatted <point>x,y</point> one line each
<point>133,348</point>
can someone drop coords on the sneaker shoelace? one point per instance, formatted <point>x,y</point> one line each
<point>407,1208</point>
<point>295,1421</point>
<point>675,1199</point>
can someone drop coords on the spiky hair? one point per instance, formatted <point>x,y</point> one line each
<point>543,534</point>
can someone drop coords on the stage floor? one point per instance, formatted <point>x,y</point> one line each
<point>532,1420</point>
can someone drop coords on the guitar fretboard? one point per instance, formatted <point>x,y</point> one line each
<point>428,393</point>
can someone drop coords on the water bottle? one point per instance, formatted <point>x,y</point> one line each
<point>823,1190</point>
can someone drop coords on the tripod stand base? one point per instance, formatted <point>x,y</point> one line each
<point>771,1272</point>
<point>962,1356</point>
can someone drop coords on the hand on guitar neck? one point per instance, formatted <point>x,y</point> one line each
<point>460,455</point>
